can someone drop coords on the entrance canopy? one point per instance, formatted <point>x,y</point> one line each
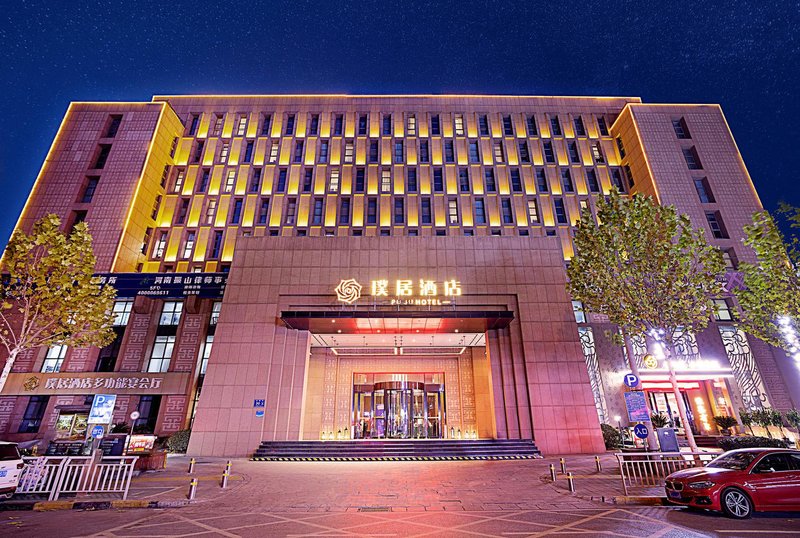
<point>396,322</point>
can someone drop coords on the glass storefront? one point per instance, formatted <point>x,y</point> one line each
<point>398,406</point>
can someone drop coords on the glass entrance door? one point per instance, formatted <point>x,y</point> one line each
<point>398,410</point>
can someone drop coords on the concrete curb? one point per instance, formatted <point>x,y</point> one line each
<point>50,506</point>
<point>641,501</point>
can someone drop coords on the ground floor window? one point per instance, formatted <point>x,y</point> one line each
<point>34,414</point>
<point>148,414</point>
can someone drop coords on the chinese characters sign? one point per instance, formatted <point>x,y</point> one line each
<point>33,383</point>
<point>420,292</point>
<point>171,285</point>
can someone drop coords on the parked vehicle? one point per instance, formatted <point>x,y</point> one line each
<point>11,465</point>
<point>740,482</point>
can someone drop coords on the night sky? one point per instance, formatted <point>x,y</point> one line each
<point>743,55</point>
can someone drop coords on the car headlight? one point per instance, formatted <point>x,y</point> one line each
<point>700,485</point>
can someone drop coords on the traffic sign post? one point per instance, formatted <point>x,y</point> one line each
<point>641,431</point>
<point>98,432</point>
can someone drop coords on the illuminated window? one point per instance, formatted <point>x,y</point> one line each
<point>602,126</point>
<point>204,356</point>
<point>489,180</point>
<point>541,180</point>
<point>399,210</point>
<point>620,147</point>
<point>281,186</point>
<point>426,216</point>
<point>411,125</point>
<point>291,211</point>
<point>317,212</point>
<point>463,180</point>
<point>452,211</point>
<point>188,246</point>
<point>173,147</point>
<point>458,124</point>
<point>436,126</point>
<point>483,125</point>
<point>387,124</point>
<point>718,230</point>
<point>211,211</point>
<point>171,312</point>
<point>308,179</point>
<point>722,310</point>
<point>480,211</point>
<point>524,153</point>
<point>411,180</point>
<point>580,130</point>
<point>506,211</point>
<point>372,210</point>
<point>386,180</point>
<point>161,354</point>
<point>216,308</point>
<point>255,181</point>
<point>363,123</point>
<point>161,244</point>
<point>230,181</point>
<point>360,179</point>
<point>578,310</point>
<point>338,124</point>
<point>474,152</point>
<point>344,211</point>
<point>183,210</point>
<point>574,155</point>
<point>333,186</point>
<point>591,180</point>
<point>205,176</point>
<point>533,211</point>
<point>555,126</point>
<point>398,151</point>
<point>597,153</point>
<point>681,130</point>
<point>323,152</point>
<point>122,312</point>
<point>438,180</point>
<point>583,204</point>
<point>216,245</point>
<point>89,189</point>
<point>266,121</point>
<point>348,151</point>
<point>313,125</point>
<point>217,129</point>
<point>373,151</point>
<point>180,174</point>
<point>298,152</point>
<point>566,180</point>
<point>561,211</point>
<point>54,359</point>
<point>223,153</point>
<point>273,152</point>
<point>499,154</point>
<point>198,151</point>
<point>704,190</point>
<point>289,131</point>
<point>241,127</point>
<point>424,152</point>
<point>236,214</point>
<point>508,126</point>
<point>263,211</point>
<point>530,124</point>
<point>516,180</point>
<point>148,234</point>
<point>549,154</point>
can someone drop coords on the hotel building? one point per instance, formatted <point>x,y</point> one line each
<point>305,267</point>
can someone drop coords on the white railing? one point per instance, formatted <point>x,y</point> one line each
<point>73,475</point>
<point>649,469</point>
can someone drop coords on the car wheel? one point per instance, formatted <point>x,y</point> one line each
<point>736,504</point>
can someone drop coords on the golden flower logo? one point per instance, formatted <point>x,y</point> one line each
<point>32,383</point>
<point>348,291</point>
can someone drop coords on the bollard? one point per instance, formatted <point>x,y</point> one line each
<point>598,464</point>
<point>552,472</point>
<point>228,467</point>
<point>192,488</point>
<point>191,466</point>
<point>570,483</point>
<point>225,479</point>
<point>563,465</point>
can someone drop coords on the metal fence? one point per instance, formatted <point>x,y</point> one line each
<point>53,476</point>
<point>649,469</point>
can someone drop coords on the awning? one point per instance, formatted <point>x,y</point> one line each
<point>408,321</point>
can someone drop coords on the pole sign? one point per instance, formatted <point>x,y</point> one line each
<point>636,404</point>
<point>102,410</point>
<point>641,431</point>
<point>631,380</point>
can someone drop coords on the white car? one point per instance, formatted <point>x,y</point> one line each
<point>11,465</point>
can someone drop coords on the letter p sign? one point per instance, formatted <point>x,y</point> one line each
<point>631,380</point>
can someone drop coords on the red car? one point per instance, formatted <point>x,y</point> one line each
<point>740,482</point>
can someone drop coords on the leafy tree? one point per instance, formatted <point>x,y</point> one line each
<point>747,419</point>
<point>649,271</point>
<point>48,294</point>
<point>770,295</point>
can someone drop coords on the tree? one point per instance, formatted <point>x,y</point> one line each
<point>770,293</point>
<point>48,293</point>
<point>645,267</point>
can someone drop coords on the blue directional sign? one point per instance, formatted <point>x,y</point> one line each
<point>631,380</point>
<point>641,431</point>
<point>258,403</point>
<point>97,432</point>
<point>260,413</point>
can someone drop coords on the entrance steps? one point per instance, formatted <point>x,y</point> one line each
<point>397,450</point>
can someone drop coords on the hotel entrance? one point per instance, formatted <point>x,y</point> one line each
<point>398,406</point>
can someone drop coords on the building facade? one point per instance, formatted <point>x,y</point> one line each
<point>327,266</point>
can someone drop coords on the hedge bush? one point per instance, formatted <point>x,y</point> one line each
<point>179,441</point>
<point>611,437</point>
<point>749,441</point>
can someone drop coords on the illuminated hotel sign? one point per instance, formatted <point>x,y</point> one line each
<point>403,292</point>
